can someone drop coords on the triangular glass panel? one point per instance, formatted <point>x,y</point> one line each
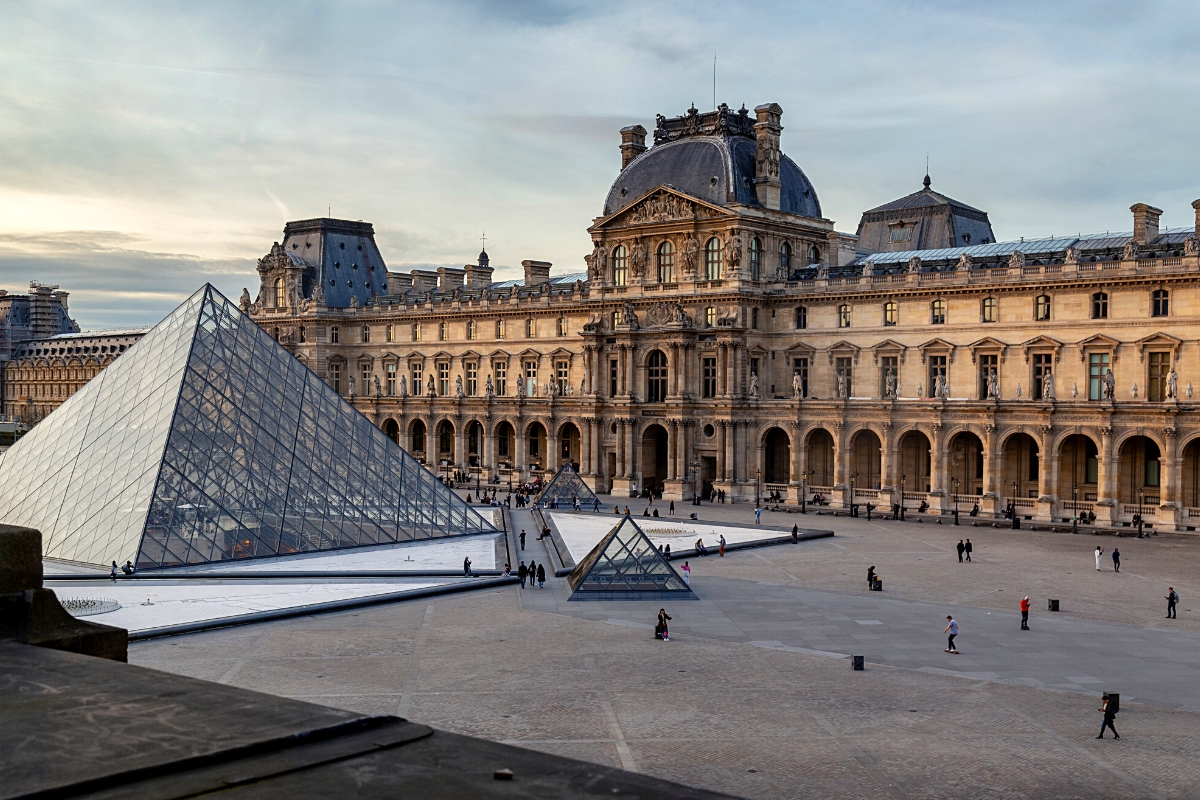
<point>198,445</point>
<point>565,487</point>
<point>625,565</point>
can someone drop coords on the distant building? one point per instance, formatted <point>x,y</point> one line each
<point>41,373</point>
<point>37,315</point>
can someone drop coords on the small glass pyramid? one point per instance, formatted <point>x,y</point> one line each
<point>625,565</point>
<point>565,485</point>
<point>207,441</point>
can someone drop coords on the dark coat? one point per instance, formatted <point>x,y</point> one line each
<point>541,574</point>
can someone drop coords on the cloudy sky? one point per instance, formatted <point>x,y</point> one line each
<point>148,147</point>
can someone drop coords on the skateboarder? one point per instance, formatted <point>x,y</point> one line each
<point>952,629</point>
<point>1025,613</point>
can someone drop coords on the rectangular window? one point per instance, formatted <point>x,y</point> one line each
<point>890,368</point>
<point>390,371</point>
<point>416,333</point>
<point>530,329</point>
<point>708,372</point>
<point>891,313</point>
<point>937,312</point>
<point>800,367</point>
<point>988,366</point>
<point>710,317</point>
<point>418,388</point>
<point>1097,367</point>
<point>443,331</point>
<point>335,377</point>
<point>1100,306</point>
<point>754,318</point>
<point>562,373</point>
<point>500,370</point>
<point>333,335</point>
<point>901,233</point>
<point>937,366</point>
<point>1041,368</point>
<point>1160,366</point>
<point>843,316</point>
<point>443,379</point>
<point>499,329</point>
<point>366,333</point>
<point>1041,308</point>
<point>801,318</point>
<point>530,378</point>
<point>471,329</point>
<point>391,333</point>
<point>844,371</point>
<point>1151,472</point>
<point>612,377</point>
<point>472,386</point>
<point>562,326</point>
<point>1160,303</point>
<point>989,311</point>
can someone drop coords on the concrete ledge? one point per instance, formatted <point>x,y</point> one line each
<point>715,549</point>
<point>258,576</point>
<point>634,595</point>
<point>321,608</point>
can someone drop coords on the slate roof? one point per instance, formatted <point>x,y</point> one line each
<point>938,222</point>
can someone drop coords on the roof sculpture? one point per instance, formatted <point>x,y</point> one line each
<point>207,441</point>
<point>625,565</point>
<point>566,484</point>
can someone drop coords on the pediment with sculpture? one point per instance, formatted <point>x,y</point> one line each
<point>663,205</point>
<point>667,315</point>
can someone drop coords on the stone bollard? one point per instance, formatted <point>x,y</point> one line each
<point>1053,604</point>
<point>857,662</point>
<point>32,615</point>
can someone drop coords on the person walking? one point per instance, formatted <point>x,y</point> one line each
<point>1109,709</point>
<point>667,551</point>
<point>467,567</point>
<point>1116,557</point>
<point>661,631</point>
<point>1025,613</point>
<point>968,548</point>
<point>671,509</point>
<point>687,574</point>
<point>961,548</point>
<point>541,576</point>
<point>113,572</point>
<point>721,549</point>
<point>596,506</point>
<point>795,534</point>
<point>758,515</point>
<point>522,538</point>
<point>1099,556</point>
<point>522,573</point>
<point>1172,601</point>
<point>952,629</point>
<point>870,575</point>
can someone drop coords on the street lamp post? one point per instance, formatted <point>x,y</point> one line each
<point>1140,491</point>
<point>757,486</point>
<point>956,501</point>
<point>803,492</point>
<point>695,482</point>
<point>853,507</point>
<point>1016,523</point>
<point>1075,508</point>
<point>902,478</point>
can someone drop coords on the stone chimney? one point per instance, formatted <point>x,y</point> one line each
<point>478,276</point>
<point>424,280</point>
<point>1196,205</point>
<point>633,144</point>
<point>450,278</point>
<point>1145,222</point>
<point>537,272</point>
<point>766,154</point>
<point>399,284</point>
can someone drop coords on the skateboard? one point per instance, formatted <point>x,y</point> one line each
<point>955,652</point>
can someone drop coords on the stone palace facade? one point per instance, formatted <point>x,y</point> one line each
<point>725,335</point>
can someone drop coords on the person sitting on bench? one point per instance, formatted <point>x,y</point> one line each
<point>975,510</point>
<point>923,507</point>
<point>700,548</point>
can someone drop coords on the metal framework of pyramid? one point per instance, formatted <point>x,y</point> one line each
<point>566,484</point>
<point>625,565</point>
<point>207,441</point>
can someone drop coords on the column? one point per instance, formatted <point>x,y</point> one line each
<point>730,428</point>
<point>681,385</point>
<point>673,451</point>
<point>991,468</point>
<point>585,447</point>
<point>673,373</point>
<point>722,437</point>
<point>1167,517</point>
<point>887,459</point>
<point>633,454</point>
<point>460,443</point>
<point>632,370</point>
<point>519,457</point>
<point>621,448</point>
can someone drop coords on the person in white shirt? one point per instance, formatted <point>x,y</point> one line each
<point>952,629</point>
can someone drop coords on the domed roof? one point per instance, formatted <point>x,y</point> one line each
<point>717,167</point>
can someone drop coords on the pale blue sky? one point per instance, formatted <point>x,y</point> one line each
<point>147,147</point>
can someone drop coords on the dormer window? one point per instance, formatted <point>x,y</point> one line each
<point>966,238</point>
<point>901,233</point>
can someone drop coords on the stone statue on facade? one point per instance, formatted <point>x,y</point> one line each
<point>1134,391</point>
<point>244,303</point>
<point>1048,386</point>
<point>1130,252</point>
<point>458,387</point>
<point>582,386</point>
<point>1072,255</point>
<point>432,390</point>
<point>822,272</point>
<point>920,390</point>
<point>318,295</point>
<point>940,390</point>
<point>733,251</point>
<point>629,316</point>
<point>378,388</point>
<point>1173,385</point>
<point>841,385</point>
<point>1016,260</point>
<point>1020,392</point>
<point>1110,386</point>
<point>638,257</point>
<point>488,389</point>
<point>964,263</point>
<point>520,387</point>
<point>688,255</point>
<point>889,385</point>
<point>753,387</point>
<point>1074,390</point>
<point>350,385</point>
<point>1189,389</point>
<point>993,385</point>
<point>796,387</point>
<point>354,301</point>
<point>914,264</point>
<point>596,265</point>
<point>403,386</point>
<point>1190,246</point>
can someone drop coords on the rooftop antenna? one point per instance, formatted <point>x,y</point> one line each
<point>714,81</point>
<point>483,241</point>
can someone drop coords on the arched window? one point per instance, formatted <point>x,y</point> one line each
<point>843,316</point>
<point>446,437</point>
<point>801,318</point>
<point>814,255</point>
<point>891,313</point>
<point>785,258</point>
<point>937,312</point>
<point>1041,307</point>
<point>279,293</point>
<point>620,266</point>
<point>755,259</point>
<point>988,310</point>
<point>714,259</point>
<point>418,437</point>
<point>1160,303</point>
<point>656,377</point>
<point>1100,306</point>
<point>666,263</point>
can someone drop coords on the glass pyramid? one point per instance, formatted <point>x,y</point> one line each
<point>625,565</point>
<point>207,441</point>
<point>566,484</point>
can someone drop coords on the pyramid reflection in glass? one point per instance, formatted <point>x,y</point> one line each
<point>207,441</point>
<point>625,565</point>
<point>565,485</point>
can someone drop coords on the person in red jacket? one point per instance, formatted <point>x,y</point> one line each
<point>1025,613</point>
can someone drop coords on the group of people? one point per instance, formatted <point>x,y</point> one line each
<point>491,498</point>
<point>128,569</point>
<point>964,549</point>
<point>531,573</point>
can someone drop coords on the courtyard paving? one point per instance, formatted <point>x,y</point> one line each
<point>751,696</point>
